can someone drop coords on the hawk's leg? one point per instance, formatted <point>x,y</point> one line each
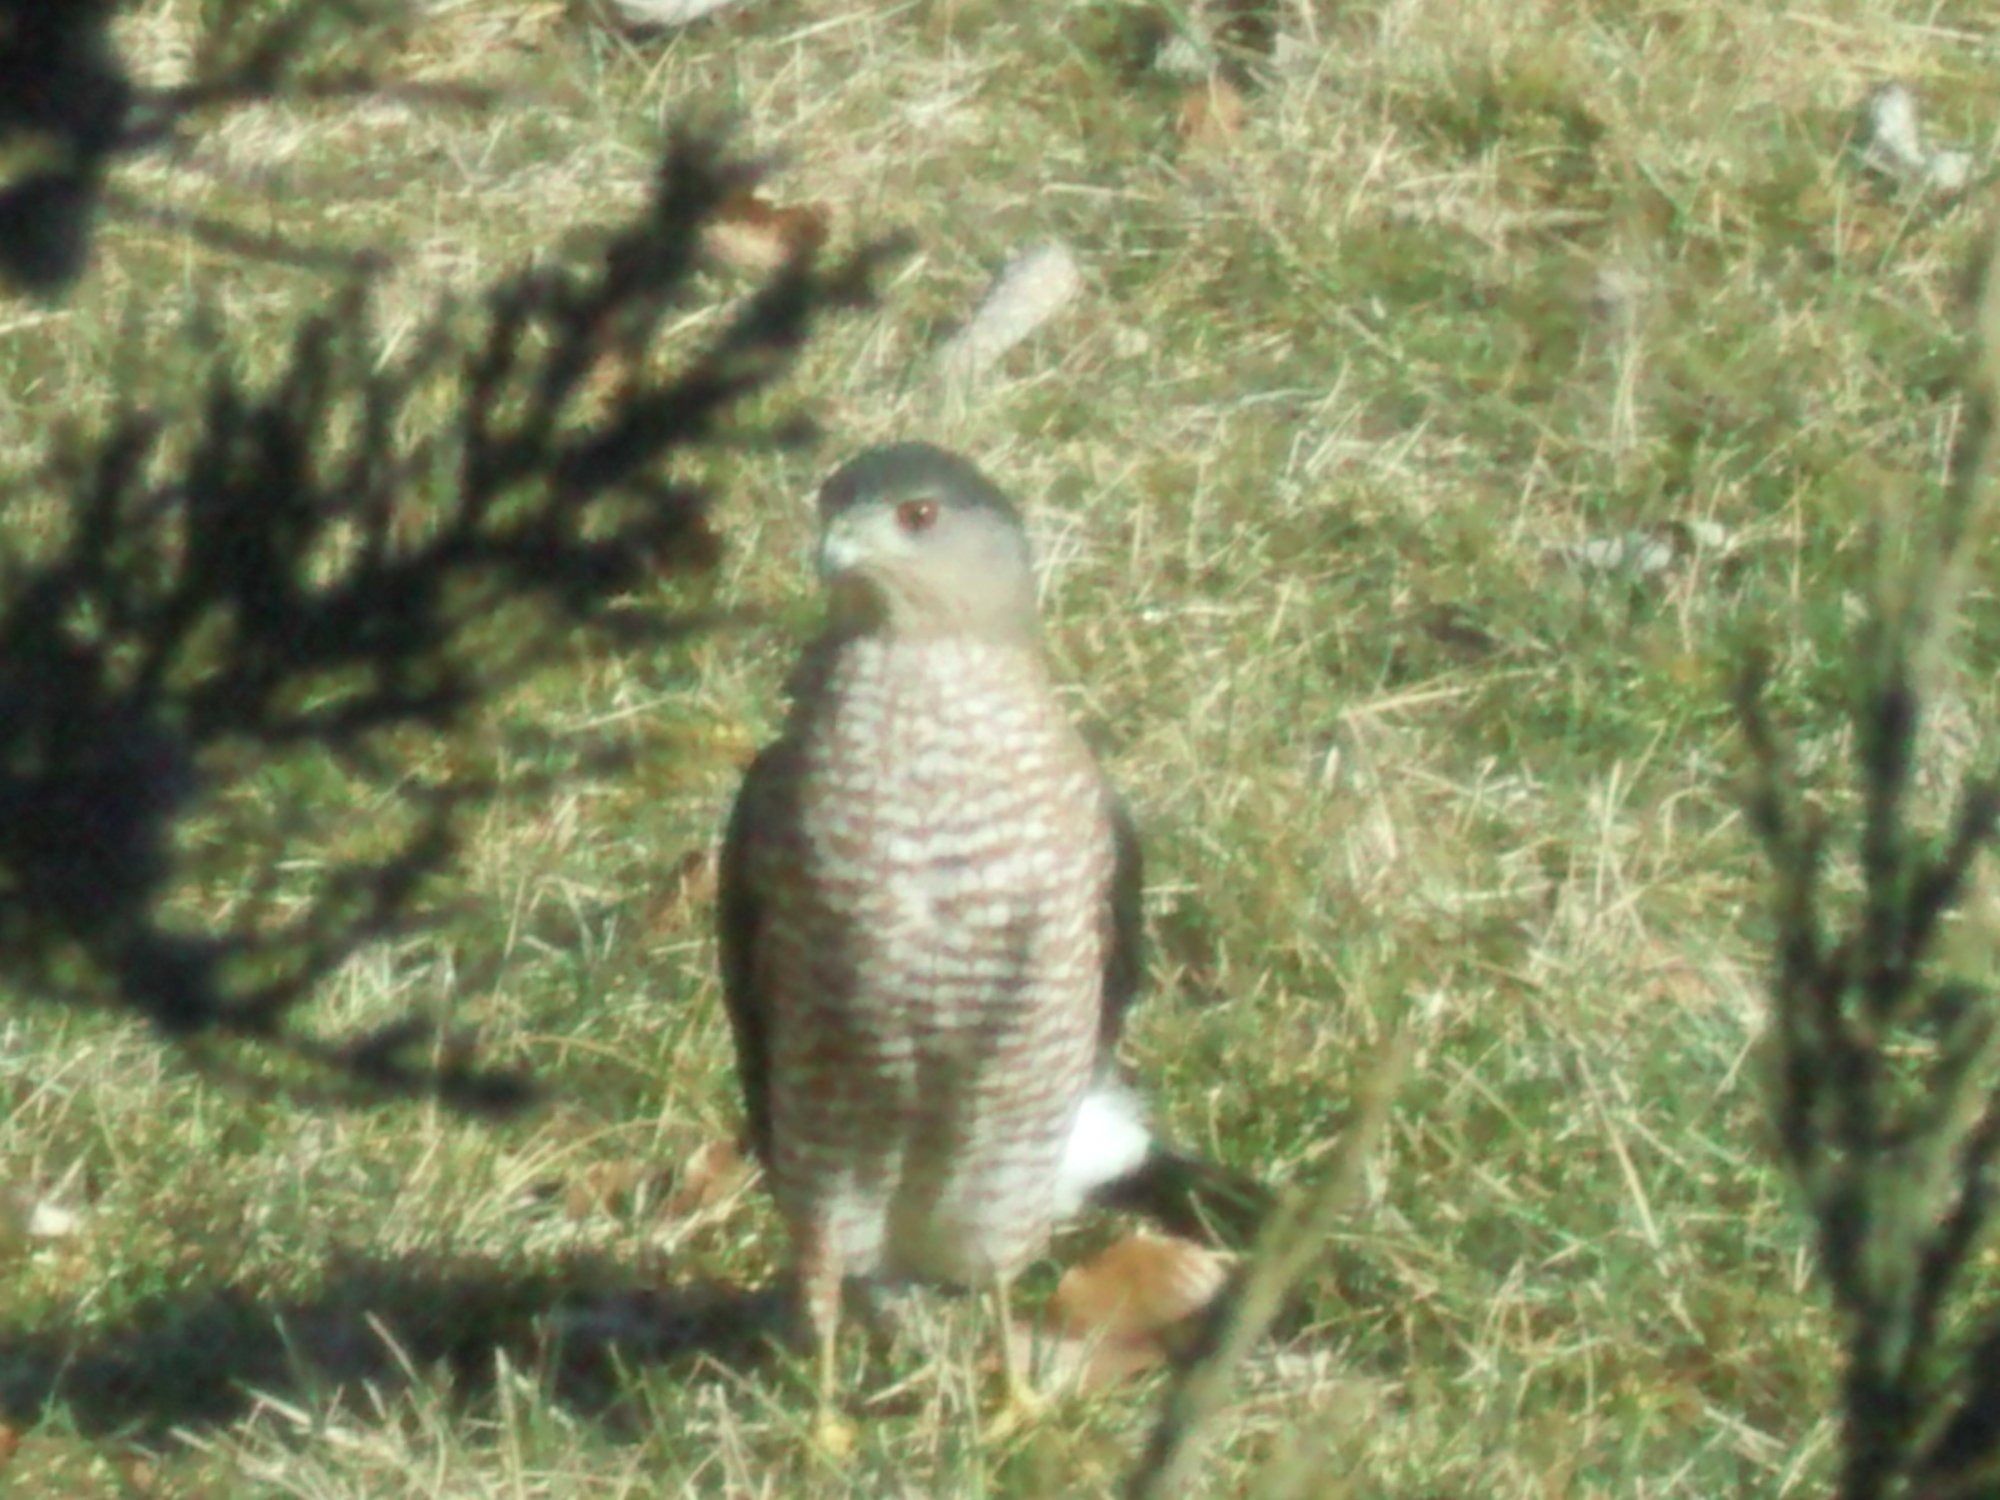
<point>819,1289</point>
<point>1020,1405</point>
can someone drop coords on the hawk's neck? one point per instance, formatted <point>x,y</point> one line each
<point>901,686</point>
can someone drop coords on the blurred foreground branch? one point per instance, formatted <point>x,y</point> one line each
<point>1886,1063</point>
<point>1289,1247</point>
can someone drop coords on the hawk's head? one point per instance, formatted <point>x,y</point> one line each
<point>916,541</point>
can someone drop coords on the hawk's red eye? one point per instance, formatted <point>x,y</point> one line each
<point>916,516</point>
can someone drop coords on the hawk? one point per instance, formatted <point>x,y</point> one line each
<point>929,917</point>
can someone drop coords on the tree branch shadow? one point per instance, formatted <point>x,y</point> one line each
<point>204,1358</point>
<point>70,111</point>
<point>253,647</point>
<point>304,599</point>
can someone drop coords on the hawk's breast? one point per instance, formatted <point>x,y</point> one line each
<point>942,789</point>
<point>938,981</point>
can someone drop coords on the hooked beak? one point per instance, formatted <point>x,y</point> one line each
<point>854,595</point>
<point>840,550</point>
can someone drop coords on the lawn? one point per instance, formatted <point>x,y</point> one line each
<point>1454,393</point>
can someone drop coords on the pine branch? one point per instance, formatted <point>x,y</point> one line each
<point>1885,1069</point>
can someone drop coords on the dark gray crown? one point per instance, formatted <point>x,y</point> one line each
<point>899,469</point>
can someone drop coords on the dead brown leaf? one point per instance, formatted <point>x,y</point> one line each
<point>1138,1287</point>
<point>607,1187</point>
<point>140,1473</point>
<point>684,894</point>
<point>1211,115</point>
<point>1132,1307</point>
<point>750,233</point>
<point>713,1171</point>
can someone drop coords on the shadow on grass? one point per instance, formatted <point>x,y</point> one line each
<point>204,1358</point>
<point>253,651</point>
<point>71,112</point>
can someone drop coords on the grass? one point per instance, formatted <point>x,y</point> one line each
<point>1473,284</point>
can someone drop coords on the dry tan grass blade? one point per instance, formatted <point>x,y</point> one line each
<point>1287,1251</point>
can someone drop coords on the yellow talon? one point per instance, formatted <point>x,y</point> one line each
<point>1021,1405</point>
<point>833,1436</point>
<point>1019,1410</point>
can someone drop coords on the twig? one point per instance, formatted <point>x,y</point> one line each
<point>1288,1249</point>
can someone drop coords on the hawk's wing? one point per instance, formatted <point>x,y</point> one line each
<point>1125,916</point>
<point>739,918</point>
<point>1185,1195</point>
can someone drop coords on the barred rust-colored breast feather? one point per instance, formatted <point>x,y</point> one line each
<point>932,957</point>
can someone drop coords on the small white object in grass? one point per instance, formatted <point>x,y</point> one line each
<point>1892,143</point>
<point>1644,554</point>
<point>1030,289</point>
<point>1182,57</point>
<point>51,1221</point>
<point>669,12</point>
<point>1894,140</point>
<point>1617,293</point>
<point>1131,342</point>
<point>1948,171</point>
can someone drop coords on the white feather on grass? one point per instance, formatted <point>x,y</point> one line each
<point>1030,289</point>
